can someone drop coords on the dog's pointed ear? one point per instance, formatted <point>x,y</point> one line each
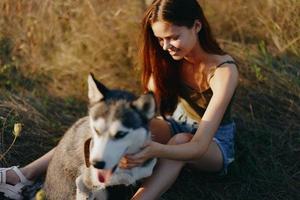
<point>87,152</point>
<point>96,90</point>
<point>146,105</point>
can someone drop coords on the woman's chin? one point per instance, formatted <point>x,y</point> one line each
<point>176,57</point>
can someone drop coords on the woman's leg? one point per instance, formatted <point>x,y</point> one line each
<point>167,171</point>
<point>164,175</point>
<point>32,170</point>
<point>160,130</point>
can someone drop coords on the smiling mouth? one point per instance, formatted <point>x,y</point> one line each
<point>173,51</point>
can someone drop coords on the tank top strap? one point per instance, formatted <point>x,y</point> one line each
<point>212,72</point>
<point>226,62</point>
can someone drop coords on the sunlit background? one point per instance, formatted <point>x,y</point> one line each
<point>47,49</point>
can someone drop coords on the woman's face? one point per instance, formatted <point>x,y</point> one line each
<point>179,41</point>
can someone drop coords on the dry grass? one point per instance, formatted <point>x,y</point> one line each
<point>249,22</point>
<point>44,119</point>
<point>48,47</point>
<point>68,39</point>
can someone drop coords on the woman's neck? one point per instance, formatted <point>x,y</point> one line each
<point>197,55</point>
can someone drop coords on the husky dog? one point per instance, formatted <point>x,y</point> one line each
<point>86,159</point>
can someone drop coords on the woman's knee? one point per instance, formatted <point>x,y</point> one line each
<point>180,138</point>
<point>160,130</point>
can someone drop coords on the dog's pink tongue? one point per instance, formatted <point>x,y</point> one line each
<point>104,175</point>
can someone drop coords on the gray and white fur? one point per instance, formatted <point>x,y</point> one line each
<point>86,159</point>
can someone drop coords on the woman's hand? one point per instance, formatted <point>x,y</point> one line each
<point>149,150</point>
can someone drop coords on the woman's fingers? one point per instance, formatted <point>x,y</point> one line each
<point>126,163</point>
<point>140,156</point>
<point>134,160</point>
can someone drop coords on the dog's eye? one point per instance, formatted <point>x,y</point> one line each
<point>120,134</point>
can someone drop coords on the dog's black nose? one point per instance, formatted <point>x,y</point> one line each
<point>99,164</point>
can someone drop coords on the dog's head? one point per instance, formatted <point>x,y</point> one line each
<point>119,125</point>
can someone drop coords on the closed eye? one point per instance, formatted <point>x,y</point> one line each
<point>120,134</point>
<point>175,37</point>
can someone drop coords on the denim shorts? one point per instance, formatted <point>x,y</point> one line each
<point>224,137</point>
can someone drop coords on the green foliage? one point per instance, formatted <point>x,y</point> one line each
<point>267,58</point>
<point>258,73</point>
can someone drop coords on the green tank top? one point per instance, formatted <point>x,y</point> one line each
<point>195,102</point>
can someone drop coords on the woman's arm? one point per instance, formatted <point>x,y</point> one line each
<point>223,85</point>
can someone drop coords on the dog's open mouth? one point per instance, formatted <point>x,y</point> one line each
<point>104,176</point>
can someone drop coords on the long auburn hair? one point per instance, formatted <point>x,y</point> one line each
<point>158,63</point>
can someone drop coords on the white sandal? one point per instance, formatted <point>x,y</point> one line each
<point>13,191</point>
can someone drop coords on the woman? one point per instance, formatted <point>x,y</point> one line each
<point>191,74</point>
<point>194,81</point>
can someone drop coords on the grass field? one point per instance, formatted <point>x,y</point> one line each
<point>47,48</point>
